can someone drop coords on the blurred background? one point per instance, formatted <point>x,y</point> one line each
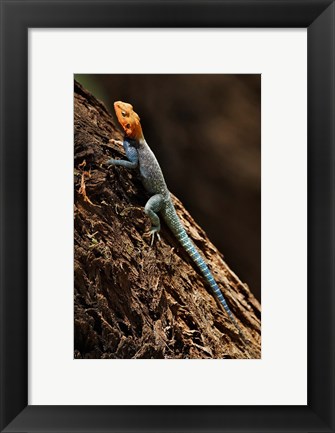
<point>205,131</point>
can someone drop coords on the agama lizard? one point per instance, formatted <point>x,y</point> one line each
<point>140,155</point>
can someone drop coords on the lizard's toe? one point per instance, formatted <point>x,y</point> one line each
<point>154,231</point>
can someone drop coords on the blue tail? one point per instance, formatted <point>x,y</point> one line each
<point>174,223</point>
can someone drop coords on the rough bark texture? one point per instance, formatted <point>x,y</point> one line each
<point>133,300</point>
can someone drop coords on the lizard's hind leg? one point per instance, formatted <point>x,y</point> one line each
<point>154,205</point>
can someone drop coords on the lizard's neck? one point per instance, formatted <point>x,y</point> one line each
<point>138,143</point>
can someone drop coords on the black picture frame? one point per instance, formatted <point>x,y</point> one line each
<point>16,18</point>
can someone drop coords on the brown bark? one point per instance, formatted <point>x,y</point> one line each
<point>133,300</point>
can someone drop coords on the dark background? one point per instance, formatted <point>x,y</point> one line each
<point>205,131</point>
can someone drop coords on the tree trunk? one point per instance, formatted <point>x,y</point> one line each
<point>133,300</point>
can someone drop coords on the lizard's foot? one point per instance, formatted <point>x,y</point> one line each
<point>110,162</point>
<point>118,142</point>
<point>154,231</point>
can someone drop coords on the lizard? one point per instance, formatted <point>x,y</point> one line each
<point>141,156</point>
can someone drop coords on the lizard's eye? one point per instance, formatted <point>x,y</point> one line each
<point>123,113</point>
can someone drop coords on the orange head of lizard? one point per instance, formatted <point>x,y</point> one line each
<point>128,119</point>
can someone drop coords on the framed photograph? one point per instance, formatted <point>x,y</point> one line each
<point>167,216</point>
<point>138,286</point>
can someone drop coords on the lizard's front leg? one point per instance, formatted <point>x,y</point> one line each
<point>131,154</point>
<point>154,205</point>
<point>122,163</point>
